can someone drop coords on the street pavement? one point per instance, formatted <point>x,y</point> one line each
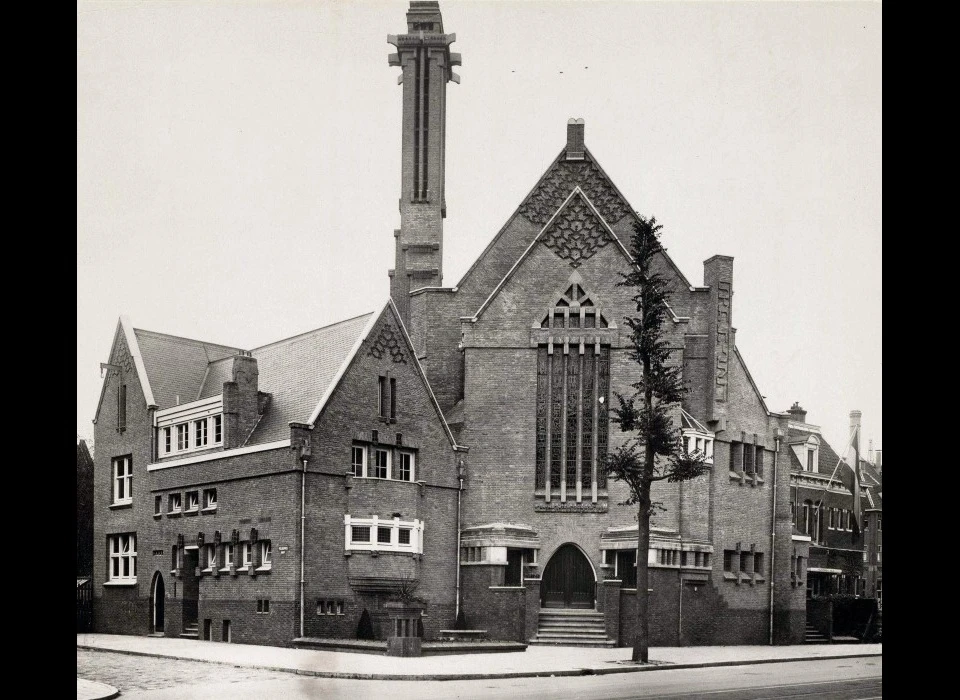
<point>535,661</point>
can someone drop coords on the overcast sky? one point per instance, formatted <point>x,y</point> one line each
<point>238,165</point>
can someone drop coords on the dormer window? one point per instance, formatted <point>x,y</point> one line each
<point>190,427</point>
<point>811,459</point>
<point>696,437</point>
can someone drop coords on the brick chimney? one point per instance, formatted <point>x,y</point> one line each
<point>575,129</point>
<point>879,463</point>
<point>797,414</point>
<point>241,401</point>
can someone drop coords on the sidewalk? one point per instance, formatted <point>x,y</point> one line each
<point>535,661</point>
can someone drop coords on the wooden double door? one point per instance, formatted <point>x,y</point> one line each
<point>568,581</point>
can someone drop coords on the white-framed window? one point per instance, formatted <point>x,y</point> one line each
<point>209,499</point>
<point>175,504</point>
<point>210,556</point>
<point>122,480</point>
<point>167,439</point>
<point>246,555</point>
<point>200,433</point>
<point>358,460</point>
<point>696,437</point>
<point>381,464</point>
<point>383,535</point>
<point>227,556</point>
<point>218,429</point>
<point>266,556</point>
<point>183,437</point>
<point>193,501</point>
<point>406,467</point>
<point>123,558</point>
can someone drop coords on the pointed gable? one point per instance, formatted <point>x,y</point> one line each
<point>561,179</point>
<point>576,233</point>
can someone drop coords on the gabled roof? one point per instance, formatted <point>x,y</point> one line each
<point>554,187</point>
<point>298,371</point>
<point>554,235</point>
<point>176,367</point>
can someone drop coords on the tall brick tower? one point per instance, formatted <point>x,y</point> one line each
<point>424,56</point>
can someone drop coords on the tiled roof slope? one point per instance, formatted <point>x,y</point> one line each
<point>827,460</point>
<point>218,372</point>
<point>177,366</point>
<point>297,371</point>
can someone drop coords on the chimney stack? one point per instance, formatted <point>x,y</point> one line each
<point>870,451</point>
<point>575,148</point>
<point>797,413</point>
<point>879,462</point>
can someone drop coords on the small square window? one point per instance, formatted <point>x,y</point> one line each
<point>360,533</point>
<point>404,535</point>
<point>209,499</point>
<point>193,501</point>
<point>383,535</point>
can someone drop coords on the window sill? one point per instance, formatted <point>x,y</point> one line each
<point>132,582</point>
<point>157,516</point>
<point>268,567</point>
<point>244,569</point>
<point>121,504</point>
<point>208,570</point>
<point>191,512</point>
<point>210,509</point>
<point>174,514</point>
<point>729,576</point>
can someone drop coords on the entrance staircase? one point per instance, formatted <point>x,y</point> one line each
<point>814,636</point>
<point>191,630</point>
<point>567,627</point>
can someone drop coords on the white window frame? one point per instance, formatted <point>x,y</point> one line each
<point>387,452</point>
<point>178,497</point>
<point>191,427</point>
<point>227,556</point>
<point>416,528</point>
<point>362,450</point>
<point>190,507</point>
<point>266,555</point>
<point>694,441</point>
<point>201,432</point>
<point>122,549</point>
<point>210,556</point>
<point>208,503</point>
<point>246,556</point>
<point>122,480</point>
<point>413,465</point>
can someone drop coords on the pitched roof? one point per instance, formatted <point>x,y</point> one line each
<point>297,371</point>
<point>176,366</point>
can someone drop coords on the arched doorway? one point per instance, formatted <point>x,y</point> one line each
<point>568,580</point>
<point>157,599</point>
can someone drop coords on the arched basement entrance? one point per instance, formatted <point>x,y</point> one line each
<point>568,580</point>
<point>157,599</point>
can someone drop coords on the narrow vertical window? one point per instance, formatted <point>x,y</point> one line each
<point>758,466</point>
<point>381,464</point>
<point>218,429</point>
<point>200,433</point>
<point>809,460</point>
<point>122,407</point>
<point>405,471</point>
<point>183,436</point>
<point>393,397</point>
<point>122,480</point>
<point>167,440</point>
<point>382,396</point>
<point>357,460</point>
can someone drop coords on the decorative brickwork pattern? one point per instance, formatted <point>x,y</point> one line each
<point>576,234</point>
<point>559,182</point>
<point>388,343</point>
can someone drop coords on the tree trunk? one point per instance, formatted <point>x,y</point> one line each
<point>641,644</point>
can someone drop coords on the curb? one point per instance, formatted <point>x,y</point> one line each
<point>654,666</point>
<point>94,690</point>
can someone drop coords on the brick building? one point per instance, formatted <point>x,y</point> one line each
<point>454,439</point>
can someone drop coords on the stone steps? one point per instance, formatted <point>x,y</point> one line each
<point>565,627</point>
<point>191,631</point>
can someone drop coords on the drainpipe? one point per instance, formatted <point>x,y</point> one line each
<point>303,518</point>
<point>773,531</point>
<point>459,491</point>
